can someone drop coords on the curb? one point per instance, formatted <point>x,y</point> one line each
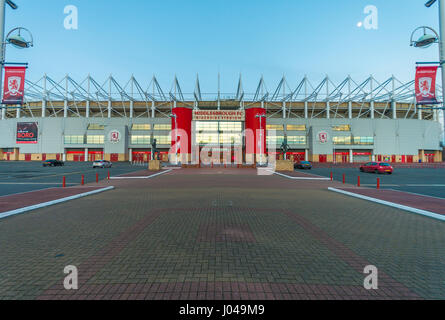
<point>392,204</point>
<point>51,203</point>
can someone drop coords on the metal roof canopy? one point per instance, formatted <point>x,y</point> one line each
<point>110,93</point>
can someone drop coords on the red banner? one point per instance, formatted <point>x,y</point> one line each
<point>14,85</point>
<point>426,85</point>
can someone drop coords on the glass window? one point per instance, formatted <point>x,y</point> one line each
<point>230,126</point>
<point>207,138</point>
<point>140,139</point>
<point>342,140</point>
<point>95,139</point>
<point>275,140</point>
<point>343,127</point>
<point>296,127</point>
<point>230,138</point>
<point>159,127</point>
<point>95,126</point>
<point>141,127</point>
<point>163,139</point>
<point>364,140</point>
<point>278,127</point>
<point>296,139</point>
<point>206,126</point>
<point>74,140</point>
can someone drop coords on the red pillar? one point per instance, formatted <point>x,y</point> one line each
<point>255,132</point>
<point>182,121</point>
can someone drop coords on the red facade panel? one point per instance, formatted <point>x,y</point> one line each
<point>255,128</point>
<point>182,120</point>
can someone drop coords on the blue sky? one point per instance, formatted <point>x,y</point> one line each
<point>270,37</point>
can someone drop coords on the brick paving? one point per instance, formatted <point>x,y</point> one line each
<point>431,204</point>
<point>221,236</point>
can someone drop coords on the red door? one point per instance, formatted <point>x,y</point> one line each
<point>323,158</point>
<point>8,156</point>
<point>429,158</point>
<point>58,157</point>
<point>410,159</point>
<point>114,157</point>
<point>403,159</point>
<point>379,158</point>
<point>79,158</point>
<point>299,157</point>
<point>43,156</point>
<point>27,157</point>
<point>393,159</point>
<point>345,158</point>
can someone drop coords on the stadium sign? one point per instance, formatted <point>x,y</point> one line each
<point>218,115</point>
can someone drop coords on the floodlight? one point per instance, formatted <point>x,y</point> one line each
<point>430,3</point>
<point>12,4</point>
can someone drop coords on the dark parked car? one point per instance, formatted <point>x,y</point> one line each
<point>377,167</point>
<point>53,163</point>
<point>305,165</point>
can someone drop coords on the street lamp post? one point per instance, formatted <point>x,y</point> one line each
<point>442,52</point>
<point>16,40</point>
<point>441,41</point>
<point>261,116</point>
<point>174,116</point>
<point>2,37</point>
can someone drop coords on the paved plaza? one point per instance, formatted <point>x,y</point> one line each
<point>221,234</point>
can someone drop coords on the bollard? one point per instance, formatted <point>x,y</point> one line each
<point>108,175</point>
<point>64,182</point>
<point>344,178</point>
<point>358,181</point>
<point>332,176</point>
<point>83,180</point>
<point>378,183</point>
<point>97,178</point>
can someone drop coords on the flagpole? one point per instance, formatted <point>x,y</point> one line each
<point>442,55</point>
<point>2,49</point>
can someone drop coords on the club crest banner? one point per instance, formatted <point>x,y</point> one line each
<point>14,85</point>
<point>426,85</point>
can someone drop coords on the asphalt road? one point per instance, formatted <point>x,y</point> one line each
<point>430,182</point>
<point>18,177</point>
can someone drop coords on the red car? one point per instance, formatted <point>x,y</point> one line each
<point>377,167</point>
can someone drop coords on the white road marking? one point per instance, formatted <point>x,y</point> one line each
<point>424,185</point>
<point>147,177</point>
<point>392,204</point>
<point>35,183</point>
<point>418,194</point>
<point>404,185</point>
<point>300,178</point>
<point>51,203</point>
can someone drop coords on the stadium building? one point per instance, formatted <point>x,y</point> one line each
<point>326,122</point>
